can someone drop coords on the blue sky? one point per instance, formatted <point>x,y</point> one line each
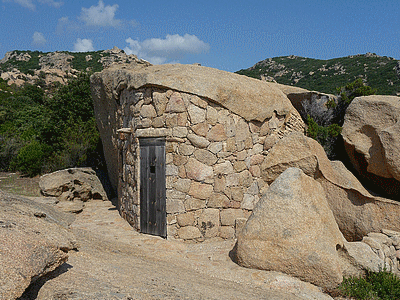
<point>227,35</point>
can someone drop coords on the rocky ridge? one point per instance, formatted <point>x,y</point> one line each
<point>19,67</point>
<point>379,72</point>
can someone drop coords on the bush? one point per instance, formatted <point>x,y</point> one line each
<point>355,89</point>
<point>347,94</point>
<point>41,132</point>
<point>324,117</point>
<point>34,92</point>
<point>325,135</point>
<point>9,147</point>
<point>73,100</point>
<point>318,115</point>
<point>30,158</point>
<point>79,142</point>
<point>380,286</point>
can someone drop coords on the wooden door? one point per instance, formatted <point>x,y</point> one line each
<point>153,216</point>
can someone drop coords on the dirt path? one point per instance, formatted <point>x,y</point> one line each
<point>116,262</point>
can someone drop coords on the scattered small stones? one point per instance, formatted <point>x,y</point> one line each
<point>40,214</point>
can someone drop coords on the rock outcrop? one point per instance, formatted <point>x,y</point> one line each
<point>72,187</point>
<point>356,211</point>
<point>57,66</point>
<point>376,252</point>
<point>298,95</point>
<point>34,241</point>
<point>293,230</point>
<point>371,133</point>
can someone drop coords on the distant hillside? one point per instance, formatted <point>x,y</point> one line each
<point>19,67</point>
<point>379,72</point>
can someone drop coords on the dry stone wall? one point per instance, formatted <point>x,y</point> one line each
<point>386,245</point>
<point>213,159</point>
<point>376,252</point>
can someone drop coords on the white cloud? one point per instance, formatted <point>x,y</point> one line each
<point>83,45</point>
<point>52,3</point>
<point>173,47</point>
<point>38,39</point>
<point>96,17</point>
<point>31,5</point>
<point>62,22</point>
<point>100,15</point>
<point>24,3</point>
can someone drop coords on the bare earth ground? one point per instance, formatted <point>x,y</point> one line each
<point>116,262</point>
<point>14,184</point>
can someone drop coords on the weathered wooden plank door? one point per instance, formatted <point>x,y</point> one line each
<point>153,216</point>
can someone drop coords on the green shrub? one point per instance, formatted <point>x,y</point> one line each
<point>79,142</point>
<point>355,89</point>
<point>80,63</point>
<point>35,93</point>
<point>380,286</point>
<point>30,158</point>
<point>9,148</point>
<point>73,100</point>
<point>325,135</point>
<point>43,133</point>
<point>346,94</point>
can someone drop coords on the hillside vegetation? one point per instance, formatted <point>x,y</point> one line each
<point>41,133</point>
<point>47,118</point>
<point>379,72</point>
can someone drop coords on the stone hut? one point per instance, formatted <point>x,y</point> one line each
<point>184,145</point>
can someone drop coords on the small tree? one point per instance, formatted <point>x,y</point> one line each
<point>30,158</point>
<point>324,117</point>
<point>346,95</point>
<point>354,89</point>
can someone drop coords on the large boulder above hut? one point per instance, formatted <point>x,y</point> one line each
<point>249,98</point>
<point>371,133</point>
<point>356,211</point>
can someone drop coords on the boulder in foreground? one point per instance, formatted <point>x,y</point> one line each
<point>34,241</point>
<point>292,230</point>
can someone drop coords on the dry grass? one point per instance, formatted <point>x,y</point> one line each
<point>15,184</point>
